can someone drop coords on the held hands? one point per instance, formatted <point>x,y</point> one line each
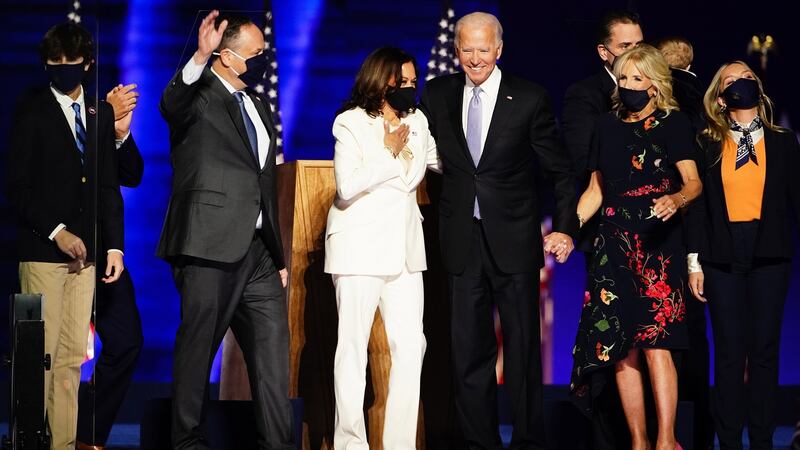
<point>123,99</point>
<point>114,267</point>
<point>397,139</point>
<point>208,37</point>
<point>558,244</point>
<point>665,206</point>
<point>696,280</point>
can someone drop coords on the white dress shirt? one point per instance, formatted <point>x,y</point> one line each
<point>192,72</point>
<point>65,101</point>
<point>488,95</point>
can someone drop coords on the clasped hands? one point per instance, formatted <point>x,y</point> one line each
<point>560,245</point>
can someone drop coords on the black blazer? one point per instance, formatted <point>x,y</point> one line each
<point>584,102</point>
<point>707,219</point>
<point>688,92</point>
<point>505,181</point>
<point>218,188</point>
<point>48,185</point>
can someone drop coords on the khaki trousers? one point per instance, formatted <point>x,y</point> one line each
<point>66,310</point>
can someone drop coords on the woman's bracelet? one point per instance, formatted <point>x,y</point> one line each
<point>581,221</point>
<point>683,200</point>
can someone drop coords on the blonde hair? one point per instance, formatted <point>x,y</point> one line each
<point>677,51</point>
<point>651,64</point>
<point>718,120</point>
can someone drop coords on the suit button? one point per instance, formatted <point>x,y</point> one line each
<point>475,177</point>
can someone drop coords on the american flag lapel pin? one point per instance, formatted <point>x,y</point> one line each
<point>91,110</point>
<point>509,97</point>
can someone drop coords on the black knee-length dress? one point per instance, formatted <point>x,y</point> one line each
<point>635,288</point>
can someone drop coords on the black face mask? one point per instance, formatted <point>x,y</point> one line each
<point>256,68</point>
<point>65,77</point>
<point>403,99</point>
<point>742,94</point>
<point>633,100</point>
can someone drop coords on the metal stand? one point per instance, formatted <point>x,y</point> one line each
<point>27,428</point>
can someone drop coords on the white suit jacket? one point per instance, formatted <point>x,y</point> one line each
<point>374,225</point>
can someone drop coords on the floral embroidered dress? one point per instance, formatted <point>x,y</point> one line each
<point>635,289</point>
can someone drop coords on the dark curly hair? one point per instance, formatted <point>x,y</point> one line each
<point>67,39</point>
<point>372,80</point>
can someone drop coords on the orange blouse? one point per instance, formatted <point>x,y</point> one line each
<point>744,188</point>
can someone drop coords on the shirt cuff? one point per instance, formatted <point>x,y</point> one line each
<point>192,71</point>
<point>118,142</point>
<point>60,227</point>
<point>693,262</point>
<point>114,250</point>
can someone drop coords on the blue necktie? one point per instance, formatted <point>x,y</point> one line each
<point>474,117</point>
<point>80,131</point>
<point>746,150</point>
<point>249,126</point>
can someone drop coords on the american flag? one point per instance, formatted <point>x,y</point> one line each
<point>443,59</point>
<point>269,87</point>
<point>74,14</point>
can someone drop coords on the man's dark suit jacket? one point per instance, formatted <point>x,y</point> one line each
<point>218,188</point>
<point>707,219</point>
<point>688,92</point>
<point>522,129</point>
<point>48,185</point>
<point>584,102</point>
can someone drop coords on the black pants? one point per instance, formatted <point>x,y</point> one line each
<point>246,296</point>
<point>474,350</point>
<point>119,327</point>
<point>746,302</point>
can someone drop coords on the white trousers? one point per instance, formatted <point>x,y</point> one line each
<point>400,299</point>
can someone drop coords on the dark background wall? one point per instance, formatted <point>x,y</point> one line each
<point>320,47</point>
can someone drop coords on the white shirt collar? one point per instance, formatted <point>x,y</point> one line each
<point>492,84</point>
<point>65,100</point>
<point>685,70</point>
<point>613,78</point>
<point>225,83</point>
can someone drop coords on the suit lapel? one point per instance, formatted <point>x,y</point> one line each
<point>91,126</point>
<point>769,142</point>
<point>266,118</point>
<point>456,104</point>
<point>500,117</point>
<point>233,111</point>
<point>58,117</point>
<point>714,158</point>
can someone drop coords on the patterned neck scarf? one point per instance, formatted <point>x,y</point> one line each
<point>746,151</point>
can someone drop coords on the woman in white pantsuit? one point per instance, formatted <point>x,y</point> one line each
<point>374,245</point>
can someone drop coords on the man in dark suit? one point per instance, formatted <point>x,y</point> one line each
<point>221,232</point>
<point>62,179</point>
<point>117,321</point>
<point>490,129</point>
<point>584,102</point>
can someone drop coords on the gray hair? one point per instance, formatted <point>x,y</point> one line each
<point>479,19</point>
